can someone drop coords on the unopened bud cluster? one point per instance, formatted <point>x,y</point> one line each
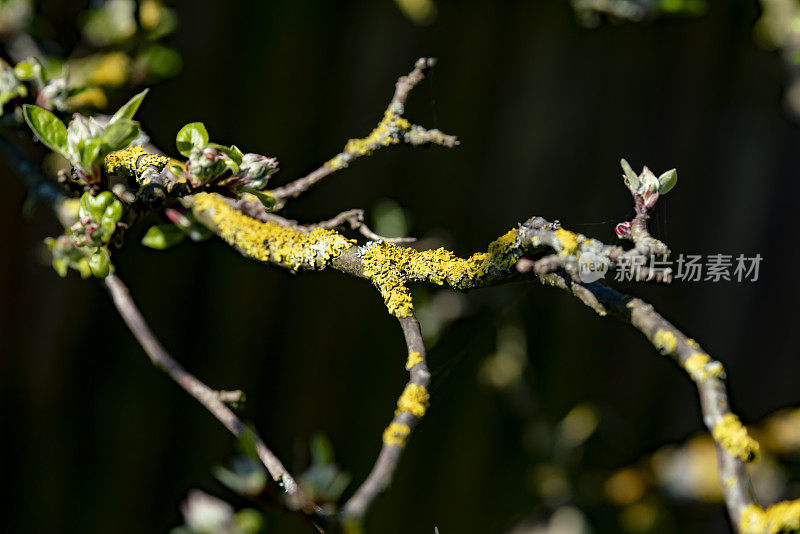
<point>224,166</point>
<point>205,164</point>
<point>68,256</point>
<point>646,186</point>
<point>254,172</point>
<point>98,218</point>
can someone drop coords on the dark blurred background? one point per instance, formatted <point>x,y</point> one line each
<point>97,440</point>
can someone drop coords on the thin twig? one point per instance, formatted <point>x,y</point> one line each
<point>415,135</point>
<point>212,400</point>
<point>383,470</point>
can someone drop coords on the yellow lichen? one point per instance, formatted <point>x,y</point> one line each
<point>390,267</point>
<point>695,365</point>
<point>781,517</point>
<point>665,341</point>
<point>396,434</point>
<point>499,248</point>
<point>266,241</point>
<point>568,240</point>
<point>387,132</point>
<point>414,358</point>
<point>413,400</point>
<point>692,343</point>
<point>700,366</point>
<point>132,161</point>
<point>732,435</point>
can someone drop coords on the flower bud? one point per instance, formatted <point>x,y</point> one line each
<point>253,173</point>
<point>54,94</point>
<point>623,229</point>
<point>81,128</point>
<point>256,167</point>
<point>100,263</point>
<point>205,164</point>
<point>98,220</point>
<point>66,255</point>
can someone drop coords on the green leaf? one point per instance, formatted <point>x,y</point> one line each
<point>236,154</point>
<point>232,152</point>
<point>193,135</point>
<point>128,110</point>
<point>83,268</point>
<point>60,265</point>
<point>95,206</point>
<point>90,151</point>
<point>630,177</point>
<point>267,200</point>
<point>100,263</point>
<point>113,211</point>
<point>120,133</point>
<point>47,127</point>
<point>24,70</point>
<point>230,165</point>
<point>667,181</point>
<point>111,216</point>
<point>163,236</point>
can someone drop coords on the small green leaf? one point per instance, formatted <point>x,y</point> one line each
<point>89,151</point>
<point>193,135</point>
<point>110,218</point>
<point>128,110</point>
<point>113,211</point>
<point>83,268</point>
<point>24,70</point>
<point>267,200</point>
<point>667,181</point>
<point>120,133</point>
<point>236,154</point>
<point>230,165</point>
<point>47,127</point>
<point>163,236</point>
<point>630,177</point>
<point>100,263</point>
<point>60,265</point>
<point>232,152</point>
<point>95,206</point>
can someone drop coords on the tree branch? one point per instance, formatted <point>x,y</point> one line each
<point>213,401</point>
<point>394,128</point>
<point>410,408</point>
<point>390,267</point>
<point>735,448</point>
